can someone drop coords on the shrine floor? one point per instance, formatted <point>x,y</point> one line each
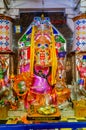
<point>67,115</point>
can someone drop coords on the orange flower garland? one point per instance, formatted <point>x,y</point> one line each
<point>26,78</point>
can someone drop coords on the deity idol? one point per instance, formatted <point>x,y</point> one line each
<point>42,67</point>
<point>82,72</point>
<point>44,60</point>
<point>3,74</point>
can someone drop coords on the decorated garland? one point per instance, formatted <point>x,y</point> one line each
<point>21,84</point>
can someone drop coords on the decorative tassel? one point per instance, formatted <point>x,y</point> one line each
<point>53,58</point>
<point>32,52</point>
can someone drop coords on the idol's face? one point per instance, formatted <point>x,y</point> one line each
<point>42,49</point>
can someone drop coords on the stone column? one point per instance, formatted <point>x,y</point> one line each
<point>5,33</point>
<point>79,43</point>
<point>79,47</point>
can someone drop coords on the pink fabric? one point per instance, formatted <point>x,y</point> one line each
<point>40,85</point>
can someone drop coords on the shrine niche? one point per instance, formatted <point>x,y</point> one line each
<point>42,56</point>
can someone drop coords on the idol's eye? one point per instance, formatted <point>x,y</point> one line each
<point>39,44</point>
<point>37,53</point>
<point>46,45</point>
<point>47,53</point>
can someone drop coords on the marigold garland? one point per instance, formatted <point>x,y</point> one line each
<point>25,76</point>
